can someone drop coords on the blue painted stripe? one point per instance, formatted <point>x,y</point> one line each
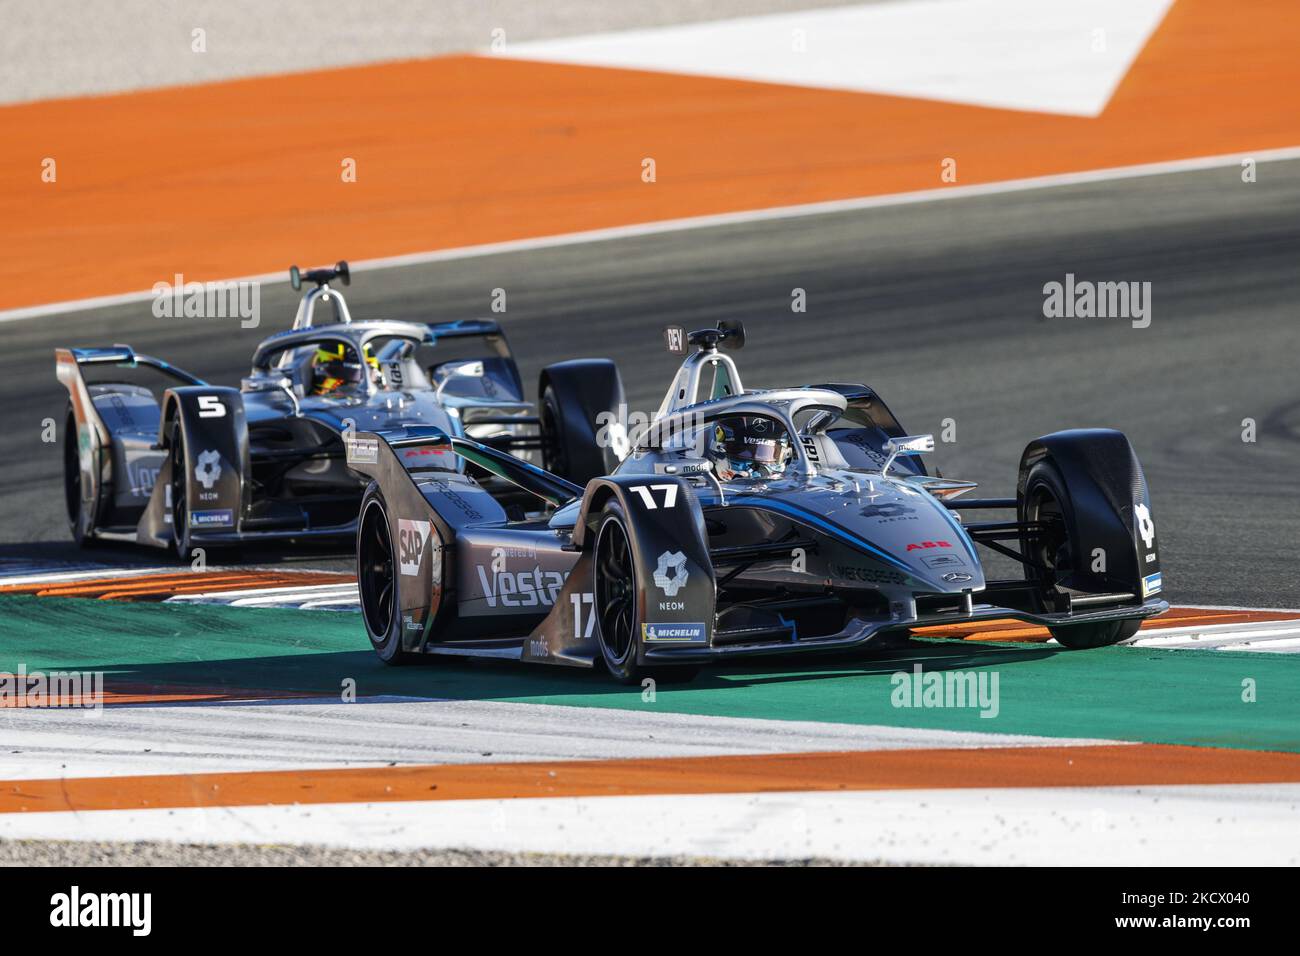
<point>816,520</point>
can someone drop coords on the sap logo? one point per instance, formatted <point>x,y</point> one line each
<point>412,536</point>
<point>923,545</point>
<point>522,588</point>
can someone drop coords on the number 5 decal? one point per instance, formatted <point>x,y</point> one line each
<point>210,406</point>
<point>648,499</point>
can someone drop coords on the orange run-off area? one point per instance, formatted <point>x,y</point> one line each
<point>1105,765</point>
<point>237,178</point>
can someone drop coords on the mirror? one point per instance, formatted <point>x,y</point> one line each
<point>905,445</point>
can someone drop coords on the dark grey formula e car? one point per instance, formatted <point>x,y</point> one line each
<point>154,455</point>
<point>742,522</point>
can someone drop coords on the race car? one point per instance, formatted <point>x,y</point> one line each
<point>741,523</point>
<point>154,455</point>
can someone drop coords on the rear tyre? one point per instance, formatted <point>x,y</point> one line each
<point>573,395</point>
<point>81,524</point>
<point>377,580</point>
<point>618,616</point>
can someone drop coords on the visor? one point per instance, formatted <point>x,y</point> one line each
<point>765,451</point>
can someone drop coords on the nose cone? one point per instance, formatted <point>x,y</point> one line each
<point>915,528</point>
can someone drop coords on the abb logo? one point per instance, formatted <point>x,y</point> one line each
<point>923,545</point>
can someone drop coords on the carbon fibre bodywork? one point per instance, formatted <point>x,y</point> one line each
<point>265,461</point>
<point>846,545</point>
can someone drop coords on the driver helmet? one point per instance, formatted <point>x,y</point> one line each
<point>335,368</point>
<point>748,446</point>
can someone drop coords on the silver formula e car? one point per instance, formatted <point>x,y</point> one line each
<point>742,522</point>
<point>154,455</point>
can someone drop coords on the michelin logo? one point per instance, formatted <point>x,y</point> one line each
<point>674,633</point>
<point>221,518</point>
<point>671,574</point>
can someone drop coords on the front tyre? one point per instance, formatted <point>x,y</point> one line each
<point>377,580</point>
<point>1053,556</point>
<point>618,614</point>
<point>1078,637</point>
<point>180,494</point>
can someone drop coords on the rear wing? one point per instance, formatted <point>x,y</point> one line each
<point>67,368</point>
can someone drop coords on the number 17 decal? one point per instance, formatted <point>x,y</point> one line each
<point>579,599</point>
<point>648,499</point>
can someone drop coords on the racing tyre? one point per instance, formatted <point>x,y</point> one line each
<point>180,494</point>
<point>617,608</point>
<point>82,525</point>
<point>573,395</point>
<point>1078,637</point>
<point>1053,557</point>
<point>377,580</point>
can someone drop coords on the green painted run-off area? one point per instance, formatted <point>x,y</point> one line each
<point>1180,697</point>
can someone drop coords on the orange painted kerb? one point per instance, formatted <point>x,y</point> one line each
<point>1088,766</point>
<point>244,177</point>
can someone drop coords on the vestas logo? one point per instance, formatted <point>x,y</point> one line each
<point>412,536</point>
<point>521,588</point>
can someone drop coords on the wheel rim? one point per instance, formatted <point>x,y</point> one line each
<point>375,571</point>
<point>179,517</point>
<point>615,591</point>
<point>1051,549</point>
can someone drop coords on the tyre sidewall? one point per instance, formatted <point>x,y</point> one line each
<point>387,645</point>
<point>180,523</point>
<point>626,670</point>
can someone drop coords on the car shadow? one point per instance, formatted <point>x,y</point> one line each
<point>328,676</point>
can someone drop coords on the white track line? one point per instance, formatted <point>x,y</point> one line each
<point>720,219</point>
<point>324,732</point>
<point>1228,824</point>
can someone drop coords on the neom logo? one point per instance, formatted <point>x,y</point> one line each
<point>75,908</point>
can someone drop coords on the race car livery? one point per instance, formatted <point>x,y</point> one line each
<point>154,455</point>
<point>743,522</point>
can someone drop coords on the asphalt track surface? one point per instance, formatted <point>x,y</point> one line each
<point>939,306</point>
